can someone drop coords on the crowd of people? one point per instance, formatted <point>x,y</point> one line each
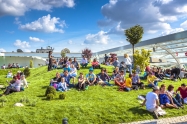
<point>159,98</point>
<point>13,65</point>
<point>17,84</point>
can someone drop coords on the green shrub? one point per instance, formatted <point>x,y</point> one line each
<point>26,72</point>
<point>50,90</point>
<point>50,96</point>
<point>62,96</point>
<point>31,64</point>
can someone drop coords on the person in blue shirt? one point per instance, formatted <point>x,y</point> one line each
<point>91,78</point>
<point>136,80</point>
<point>62,86</point>
<point>67,68</point>
<point>67,77</point>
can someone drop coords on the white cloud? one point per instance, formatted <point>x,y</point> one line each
<point>99,38</point>
<point>121,42</point>
<point>20,44</point>
<point>184,24</point>
<point>44,24</point>
<point>2,50</point>
<point>19,7</point>
<point>116,30</point>
<point>26,50</point>
<point>35,39</point>
<point>70,42</point>
<point>152,15</point>
<point>172,31</point>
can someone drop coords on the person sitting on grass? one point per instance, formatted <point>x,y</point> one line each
<point>9,75</point>
<point>69,62</point>
<point>115,72</point>
<point>55,80</point>
<point>165,99</point>
<point>152,80</point>
<point>128,84</point>
<point>136,81</point>
<point>175,96</point>
<point>24,83</point>
<point>4,66</point>
<point>67,78</point>
<point>183,92</point>
<point>120,80</point>
<point>14,86</point>
<point>152,102</point>
<point>103,79</point>
<point>81,82</point>
<point>67,68</point>
<point>116,63</point>
<point>73,72</point>
<point>95,64</point>
<point>62,86</point>
<point>91,78</point>
<point>84,62</point>
<point>76,64</point>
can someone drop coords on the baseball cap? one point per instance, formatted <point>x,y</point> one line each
<point>91,69</point>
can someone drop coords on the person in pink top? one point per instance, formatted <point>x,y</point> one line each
<point>95,64</point>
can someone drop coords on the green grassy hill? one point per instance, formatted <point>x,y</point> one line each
<point>96,105</point>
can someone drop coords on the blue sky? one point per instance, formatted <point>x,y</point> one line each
<point>79,24</point>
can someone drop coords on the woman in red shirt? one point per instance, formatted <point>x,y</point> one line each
<point>95,64</point>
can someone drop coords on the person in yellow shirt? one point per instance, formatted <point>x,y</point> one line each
<point>152,80</point>
<point>128,84</point>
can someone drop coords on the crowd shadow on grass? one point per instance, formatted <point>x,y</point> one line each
<point>44,87</point>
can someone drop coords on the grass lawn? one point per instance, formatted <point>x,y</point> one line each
<point>96,105</point>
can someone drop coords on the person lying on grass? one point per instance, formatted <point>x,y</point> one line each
<point>67,78</point>
<point>73,72</point>
<point>183,92</point>
<point>152,102</point>
<point>136,80</point>
<point>103,79</point>
<point>165,99</point>
<point>120,80</point>
<point>81,82</point>
<point>14,86</point>
<point>152,80</point>
<point>175,96</point>
<point>62,86</point>
<point>128,84</point>
<point>91,78</point>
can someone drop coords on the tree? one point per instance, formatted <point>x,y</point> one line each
<point>26,72</point>
<point>64,51</point>
<point>87,53</point>
<point>142,58</point>
<point>134,35</point>
<point>19,50</point>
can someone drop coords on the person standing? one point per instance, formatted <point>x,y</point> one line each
<point>50,61</point>
<point>128,63</point>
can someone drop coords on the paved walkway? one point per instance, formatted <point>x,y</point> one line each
<point>173,120</point>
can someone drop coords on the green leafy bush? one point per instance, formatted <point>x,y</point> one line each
<point>31,64</point>
<point>50,90</point>
<point>62,96</point>
<point>26,72</point>
<point>50,96</point>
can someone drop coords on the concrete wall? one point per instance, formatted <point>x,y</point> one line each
<point>23,61</point>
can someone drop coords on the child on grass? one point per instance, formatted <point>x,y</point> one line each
<point>62,85</point>
<point>81,82</point>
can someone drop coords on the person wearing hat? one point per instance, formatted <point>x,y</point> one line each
<point>183,92</point>
<point>152,80</point>
<point>152,101</point>
<point>90,78</point>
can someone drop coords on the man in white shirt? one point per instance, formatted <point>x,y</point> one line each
<point>152,101</point>
<point>84,62</point>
